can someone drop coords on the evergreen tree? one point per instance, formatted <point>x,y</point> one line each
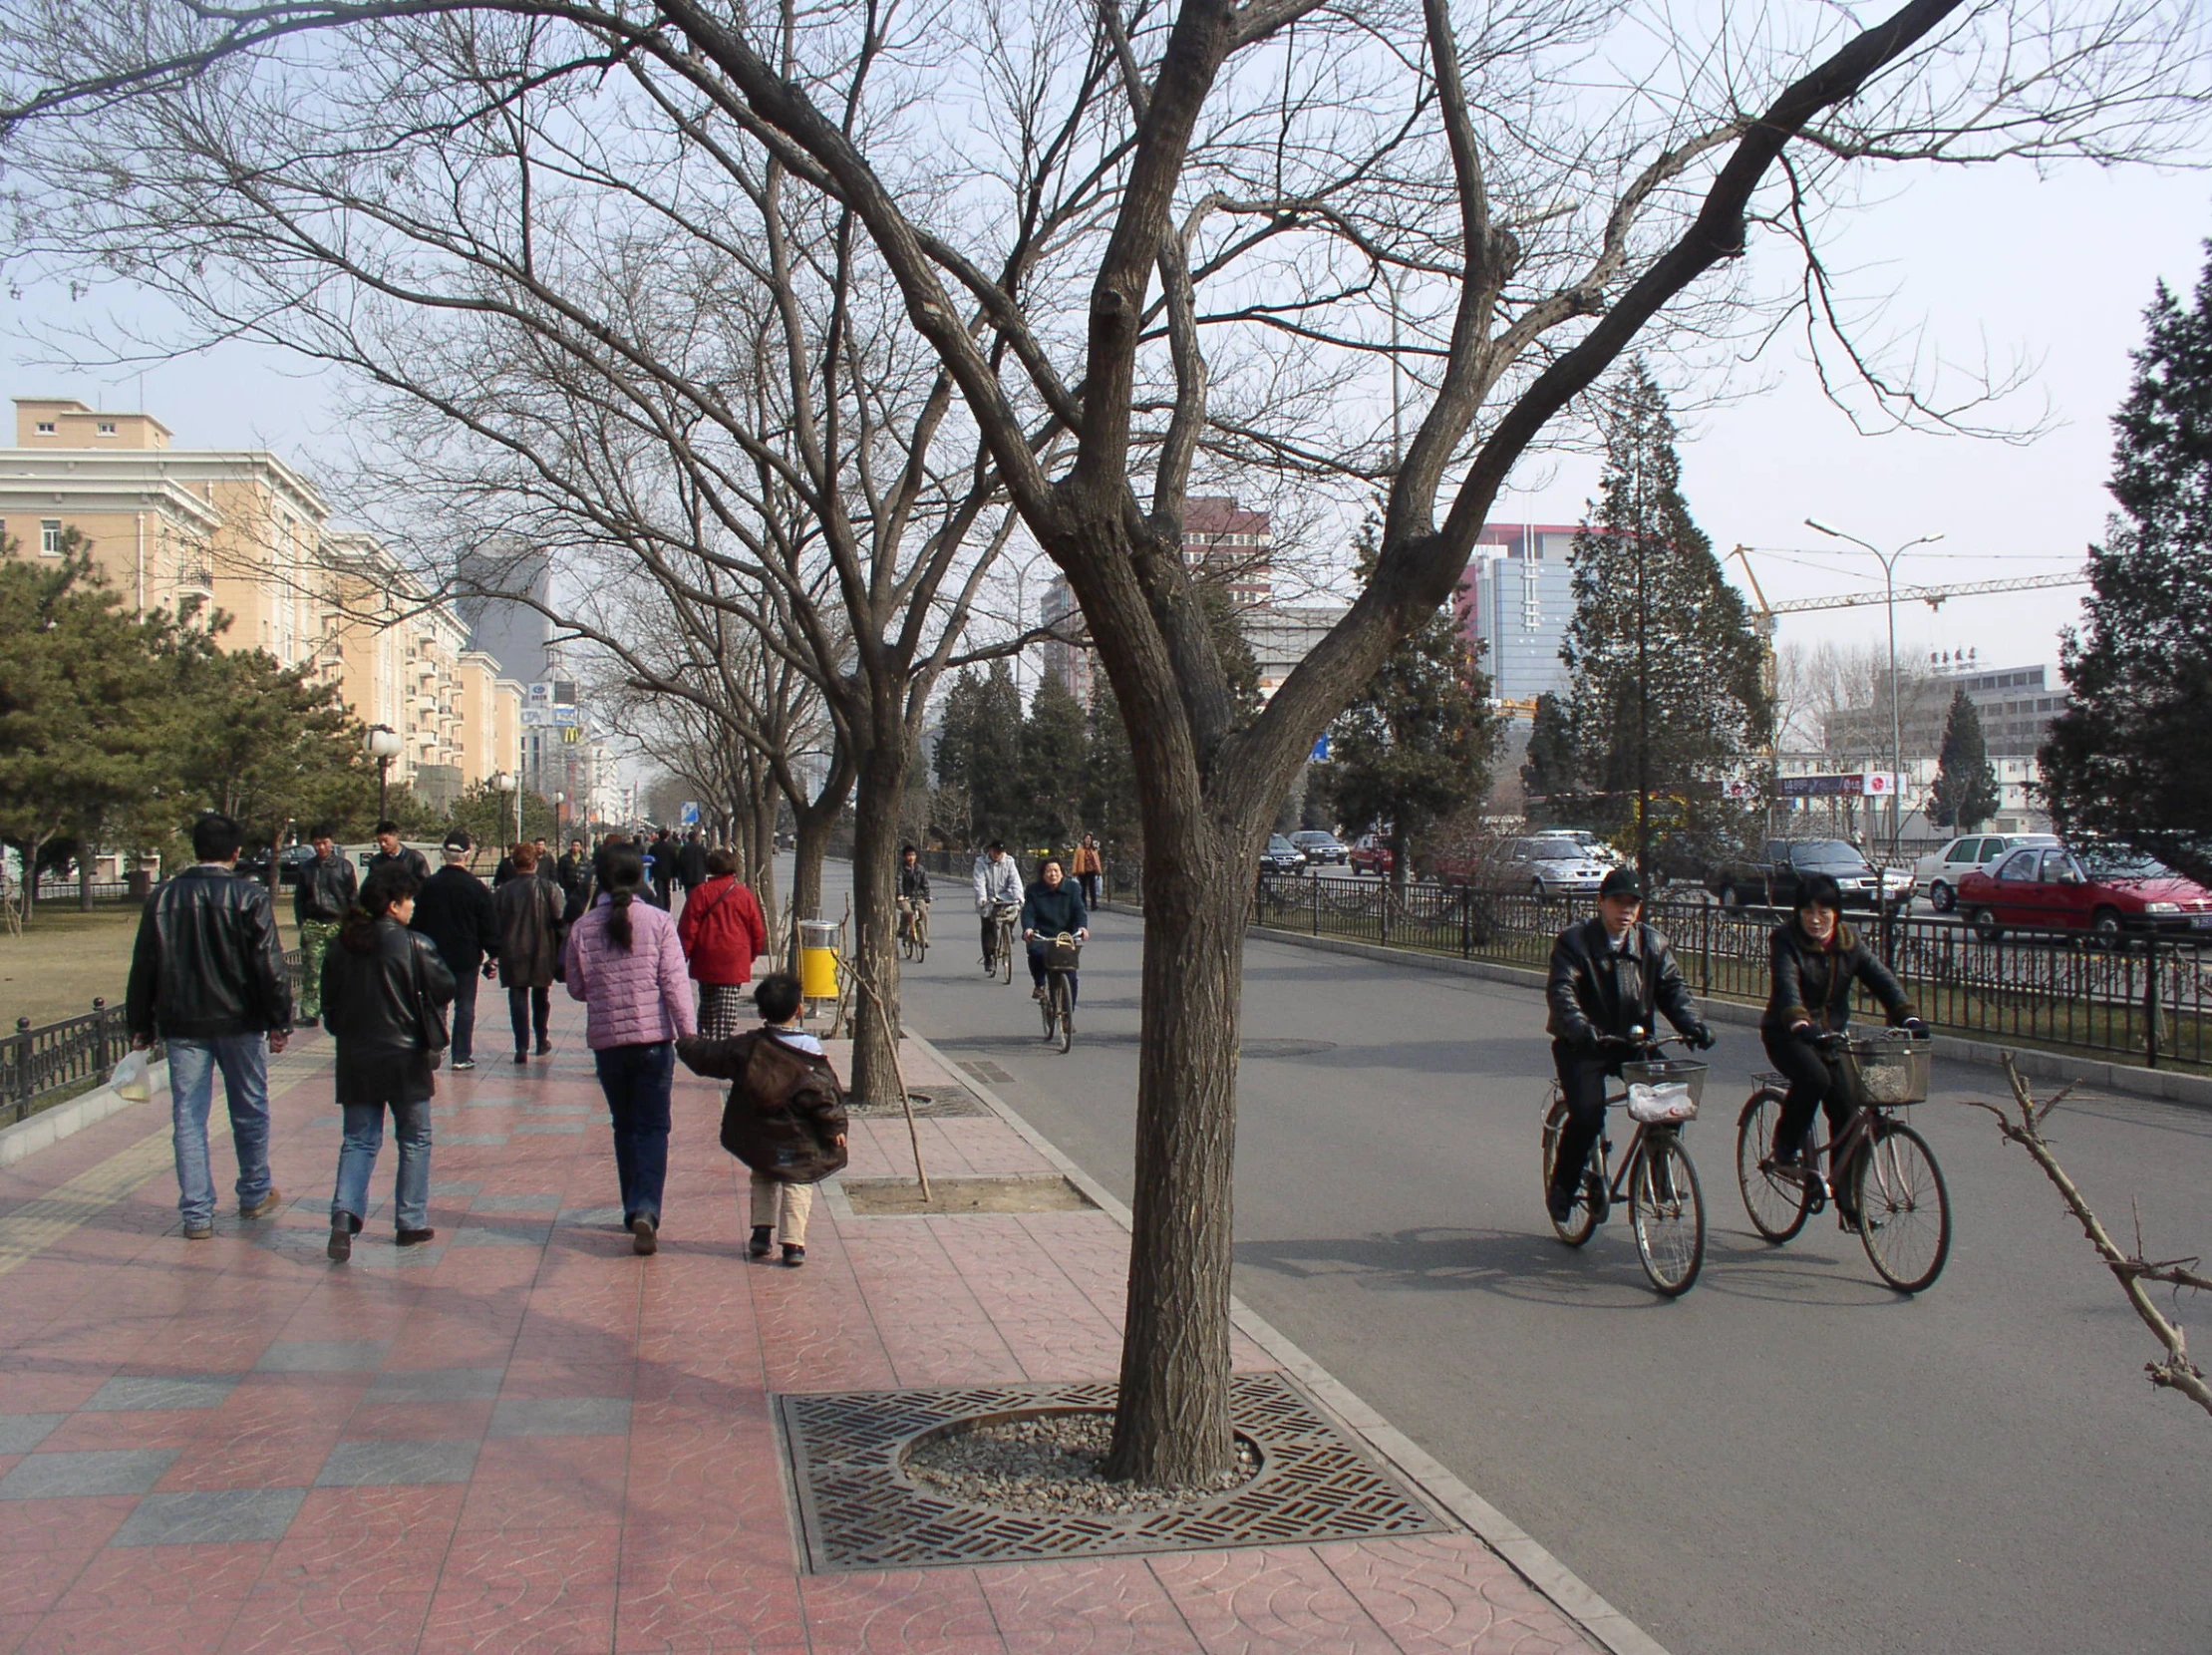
<point>1667,696</point>
<point>1052,778</point>
<point>1109,779</point>
<point>1417,747</point>
<point>1548,769</point>
<point>2132,757</point>
<point>979,752</point>
<point>1966,792</point>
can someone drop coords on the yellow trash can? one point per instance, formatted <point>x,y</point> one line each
<point>818,959</point>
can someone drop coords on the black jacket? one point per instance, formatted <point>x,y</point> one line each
<point>1049,912</point>
<point>208,962</point>
<point>574,875</point>
<point>1812,984</point>
<point>376,1004</point>
<point>407,857</point>
<point>785,1110</point>
<point>691,864</point>
<point>913,882</point>
<point>1594,992</point>
<point>453,909</point>
<point>326,890</point>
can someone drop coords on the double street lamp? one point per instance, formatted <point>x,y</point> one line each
<point>1888,561</point>
<point>503,781</point>
<point>382,743</point>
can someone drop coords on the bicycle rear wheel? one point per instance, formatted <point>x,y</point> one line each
<point>1779,1205</point>
<point>1666,1214</point>
<point>1062,1000</point>
<point>1904,1207</point>
<point>1582,1223</point>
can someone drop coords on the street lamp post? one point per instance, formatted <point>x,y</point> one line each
<point>502,781</point>
<point>382,743</point>
<point>1896,717</point>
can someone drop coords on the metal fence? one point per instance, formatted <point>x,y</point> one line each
<point>2144,998</point>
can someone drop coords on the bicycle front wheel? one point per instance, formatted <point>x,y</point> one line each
<point>1582,1223</point>
<point>1062,999</point>
<point>1902,1206</point>
<point>1666,1214</point>
<point>1006,953</point>
<point>1779,1205</point>
<point>921,935</point>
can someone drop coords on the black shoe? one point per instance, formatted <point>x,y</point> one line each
<point>544,1048</point>
<point>341,1242</point>
<point>305,1022</point>
<point>644,1237</point>
<point>758,1246</point>
<point>522,1057</point>
<point>794,1258</point>
<point>414,1237</point>
<point>1560,1205</point>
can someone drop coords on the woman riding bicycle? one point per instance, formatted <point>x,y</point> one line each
<point>1814,959</point>
<point>1051,907</point>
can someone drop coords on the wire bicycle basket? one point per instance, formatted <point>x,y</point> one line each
<point>1664,1091</point>
<point>1890,1068</point>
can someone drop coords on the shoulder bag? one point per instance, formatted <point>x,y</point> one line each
<point>436,1036</point>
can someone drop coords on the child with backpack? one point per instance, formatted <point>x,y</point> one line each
<point>785,1114</point>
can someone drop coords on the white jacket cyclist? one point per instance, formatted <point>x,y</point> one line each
<point>995,882</point>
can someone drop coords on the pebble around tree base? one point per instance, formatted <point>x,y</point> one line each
<point>1049,1463</point>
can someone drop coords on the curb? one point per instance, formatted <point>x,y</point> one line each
<point>1604,1625</point>
<point>49,1125</point>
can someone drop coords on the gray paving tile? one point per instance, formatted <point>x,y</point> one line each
<point>136,1391</point>
<point>562,1417</point>
<point>359,1464</point>
<point>548,1125</point>
<point>371,1250</point>
<point>204,1516</point>
<point>93,1472</point>
<point>453,1186</point>
<point>564,1109</point>
<point>503,1236</point>
<point>592,1217</point>
<point>323,1356</point>
<point>493,1100</point>
<point>21,1432</point>
<point>516,1204</point>
<point>435,1385</point>
<point>479,1137</point>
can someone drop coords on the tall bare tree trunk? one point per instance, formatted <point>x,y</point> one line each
<point>877,805</point>
<point>84,876</point>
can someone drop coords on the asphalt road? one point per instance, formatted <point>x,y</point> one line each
<point>1789,1457</point>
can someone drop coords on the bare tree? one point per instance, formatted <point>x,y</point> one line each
<point>1166,244</point>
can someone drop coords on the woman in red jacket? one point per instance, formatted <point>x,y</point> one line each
<point>723,932</point>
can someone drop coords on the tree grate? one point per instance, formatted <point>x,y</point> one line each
<point>935,1102</point>
<point>859,1510</point>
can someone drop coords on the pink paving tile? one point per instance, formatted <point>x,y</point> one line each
<point>277,1454</point>
<point>33,1582</point>
<point>161,1576</point>
<point>333,1620</point>
<point>393,1536</point>
<point>14,1629</point>
<point>914,1611</point>
<point>61,1524</point>
<point>173,1629</point>
<point>543,1591</point>
<point>1096,1606</point>
<point>1274,1600</point>
<point>536,1378</point>
<point>1449,1594</point>
<point>418,1422</point>
<point>547,1483</point>
<point>704,1602</point>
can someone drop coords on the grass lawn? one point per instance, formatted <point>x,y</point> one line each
<point>64,958</point>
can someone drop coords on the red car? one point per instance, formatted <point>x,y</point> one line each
<point>1369,853</point>
<point>2102,891</point>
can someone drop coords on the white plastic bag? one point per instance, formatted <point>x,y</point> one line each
<point>1670,1101</point>
<point>134,1077</point>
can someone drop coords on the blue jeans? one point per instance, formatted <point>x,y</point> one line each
<point>463,1014</point>
<point>357,1159</point>
<point>636,1080</point>
<point>245,1062</point>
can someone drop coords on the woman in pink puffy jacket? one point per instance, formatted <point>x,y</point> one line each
<point>623,961</point>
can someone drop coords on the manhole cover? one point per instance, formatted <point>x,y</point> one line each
<point>1284,1048</point>
<point>898,1198</point>
<point>988,1073</point>
<point>934,1103</point>
<point>859,1510</point>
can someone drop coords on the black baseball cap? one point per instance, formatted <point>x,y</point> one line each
<point>458,841</point>
<point>1622,882</point>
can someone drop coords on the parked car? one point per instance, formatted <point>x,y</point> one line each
<point>1594,846</point>
<point>1369,853</point>
<point>290,860</point>
<point>1320,848</point>
<point>2102,891</point>
<point>1781,864</point>
<point>1282,857</point>
<point>1550,865</point>
<point>1936,874</point>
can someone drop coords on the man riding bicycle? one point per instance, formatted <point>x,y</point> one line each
<point>1813,960</point>
<point>913,882</point>
<point>1609,975</point>
<point>998,884</point>
<point>1050,907</point>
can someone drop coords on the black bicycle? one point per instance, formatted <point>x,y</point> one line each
<point>1061,954</point>
<point>1666,1207</point>
<point>1882,1177</point>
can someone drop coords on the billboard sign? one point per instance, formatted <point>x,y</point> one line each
<point>564,717</point>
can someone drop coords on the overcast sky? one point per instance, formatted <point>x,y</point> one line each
<point>1995,263</point>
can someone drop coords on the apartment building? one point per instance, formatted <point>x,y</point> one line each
<point>241,531</point>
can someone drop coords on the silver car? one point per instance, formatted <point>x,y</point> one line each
<point>1554,864</point>
<point>1938,873</point>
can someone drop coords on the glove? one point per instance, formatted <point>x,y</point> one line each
<point>1700,1036</point>
<point>1805,1032</point>
<point>1915,1026</point>
<point>1609,1044</point>
<point>491,970</point>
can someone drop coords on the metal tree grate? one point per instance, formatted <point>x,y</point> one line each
<point>859,1510</point>
<point>935,1102</point>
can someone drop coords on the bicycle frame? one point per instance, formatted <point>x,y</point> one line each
<point>1647,1132</point>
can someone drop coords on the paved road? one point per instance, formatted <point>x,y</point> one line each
<point>1790,1458</point>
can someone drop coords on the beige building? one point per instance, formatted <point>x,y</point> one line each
<point>193,530</point>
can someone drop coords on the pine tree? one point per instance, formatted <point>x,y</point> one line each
<point>1668,696</point>
<point>1548,767</point>
<point>1110,781</point>
<point>1965,794</point>
<point>2132,759</point>
<point>979,752</point>
<point>1052,778</point>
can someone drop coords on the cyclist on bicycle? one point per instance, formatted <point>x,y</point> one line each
<point>1049,907</point>
<point>998,883</point>
<point>1609,975</point>
<point>1814,959</point>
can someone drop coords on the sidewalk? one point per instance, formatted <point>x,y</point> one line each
<point>521,1437</point>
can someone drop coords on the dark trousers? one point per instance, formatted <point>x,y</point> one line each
<point>1812,1085</point>
<point>1037,952</point>
<point>464,1014</point>
<point>1089,884</point>
<point>636,1080</point>
<point>990,938</point>
<point>1582,1078</point>
<point>525,1006</point>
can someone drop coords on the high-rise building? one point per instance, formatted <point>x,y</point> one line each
<point>1517,600</point>
<point>1230,544</point>
<point>1074,665</point>
<point>511,632</point>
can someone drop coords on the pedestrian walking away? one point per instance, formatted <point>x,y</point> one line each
<point>660,867</point>
<point>997,883</point>
<point>1610,976</point>
<point>723,932</point>
<point>386,986</point>
<point>530,935</point>
<point>784,1117</point>
<point>691,863</point>
<point>326,890</point>
<point>1089,869</point>
<point>389,849</point>
<point>208,979</point>
<point>624,962</point>
<point>453,909</point>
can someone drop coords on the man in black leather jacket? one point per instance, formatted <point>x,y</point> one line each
<point>455,910</point>
<point>326,890</point>
<point>207,978</point>
<point>1610,974</point>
